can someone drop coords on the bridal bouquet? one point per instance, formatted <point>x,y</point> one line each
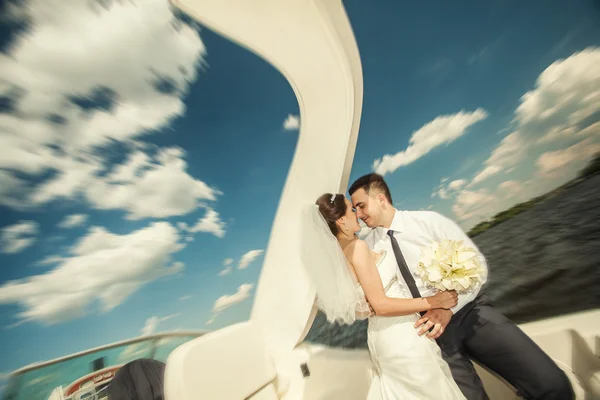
<point>450,265</point>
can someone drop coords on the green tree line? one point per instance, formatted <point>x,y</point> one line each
<point>591,169</point>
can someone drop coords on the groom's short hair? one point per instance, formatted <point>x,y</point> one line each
<point>370,182</point>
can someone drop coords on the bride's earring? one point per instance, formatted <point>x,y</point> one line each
<point>345,226</point>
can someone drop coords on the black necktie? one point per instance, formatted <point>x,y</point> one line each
<point>408,278</point>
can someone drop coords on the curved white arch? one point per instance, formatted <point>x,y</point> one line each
<point>312,44</point>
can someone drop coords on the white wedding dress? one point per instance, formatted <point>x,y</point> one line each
<point>405,365</point>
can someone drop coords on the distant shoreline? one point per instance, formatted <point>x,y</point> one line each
<point>588,172</point>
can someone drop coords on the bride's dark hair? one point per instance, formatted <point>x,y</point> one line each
<point>332,210</point>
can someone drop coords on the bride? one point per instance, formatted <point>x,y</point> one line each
<point>346,273</point>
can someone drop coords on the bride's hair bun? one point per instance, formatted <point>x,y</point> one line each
<point>332,207</point>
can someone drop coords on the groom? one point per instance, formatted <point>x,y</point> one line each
<point>472,329</point>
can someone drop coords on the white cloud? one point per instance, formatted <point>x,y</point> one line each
<point>488,171</point>
<point>567,92</point>
<point>557,133</point>
<point>12,191</point>
<point>73,220</point>
<point>440,192</point>
<point>469,202</point>
<point>103,266</point>
<point>132,59</point>
<point>508,153</point>
<point>510,187</point>
<point>16,238</point>
<point>472,207</point>
<point>445,191</point>
<point>457,184</point>
<point>131,168</point>
<point>228,300</point>
<point>153,322</point>
<point>480,56</point>
<point>565,97</point>
<point>50,260</point>
<point>590,131</point>
<point>134,351</point>
<point>228,268</point>
<point>23,146</point>
<point>291,123</point>
<point>442,130</point>
<point>552,161</point>
<point>211,223</point>
<point>186,297</point>
<point>73,177</point>
<point>249,257</point>
<point>150,326</point>
<point>122,47</point>
<point>163,189</point>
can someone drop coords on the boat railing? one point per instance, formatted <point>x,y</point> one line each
<point>90,394</point>
<point>148,338</point>
<point>152,343</point>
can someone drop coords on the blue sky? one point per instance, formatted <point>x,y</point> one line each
<point>141,167</point>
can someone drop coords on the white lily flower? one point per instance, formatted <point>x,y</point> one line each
<point>450,265</point>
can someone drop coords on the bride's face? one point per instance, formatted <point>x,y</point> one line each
<point>350,218</point>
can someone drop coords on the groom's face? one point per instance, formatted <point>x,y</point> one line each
<point>366,208</point>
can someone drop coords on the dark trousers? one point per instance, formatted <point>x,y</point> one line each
<point>479,332</point>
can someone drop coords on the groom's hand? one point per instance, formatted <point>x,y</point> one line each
<point>437,319</point>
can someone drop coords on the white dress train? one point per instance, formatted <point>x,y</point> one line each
<point>405,365</point>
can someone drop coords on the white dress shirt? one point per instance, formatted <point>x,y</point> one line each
<point>413,230</point>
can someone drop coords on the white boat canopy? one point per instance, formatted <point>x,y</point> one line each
<point>312,44</point>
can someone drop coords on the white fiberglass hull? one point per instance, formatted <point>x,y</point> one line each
<point>573,341</point>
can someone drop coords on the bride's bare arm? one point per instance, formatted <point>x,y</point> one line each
<point>368,276</point>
